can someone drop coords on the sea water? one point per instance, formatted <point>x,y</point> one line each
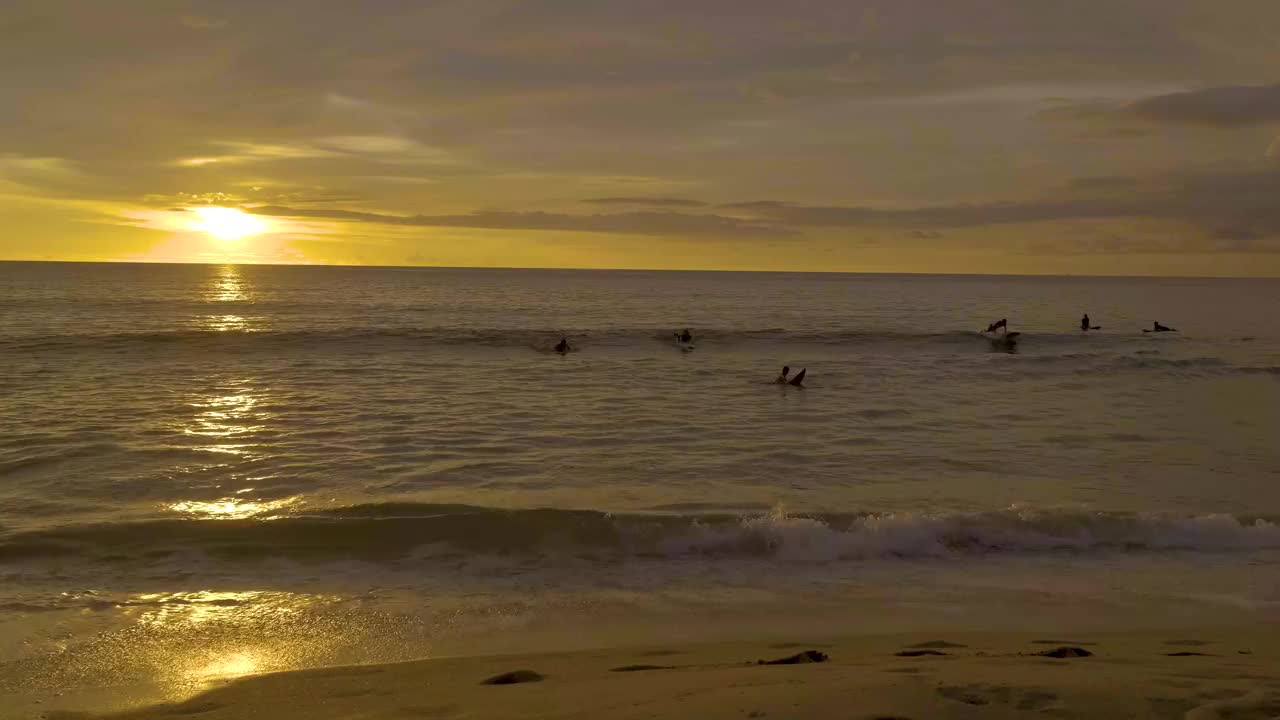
<point>209,471</point>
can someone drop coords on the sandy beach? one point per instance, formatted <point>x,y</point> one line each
<point>1194,674</point>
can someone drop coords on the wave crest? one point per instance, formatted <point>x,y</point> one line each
<point>390,531</point>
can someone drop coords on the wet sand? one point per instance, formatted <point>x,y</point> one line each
<point>1194,674</point>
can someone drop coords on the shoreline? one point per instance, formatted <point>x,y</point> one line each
<point>1204,672</point>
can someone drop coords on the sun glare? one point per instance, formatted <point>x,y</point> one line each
<point>227,223</point>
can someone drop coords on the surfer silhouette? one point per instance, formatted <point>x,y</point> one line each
<point>562,347</point>
<point>1084,322</point>
<point>685,337</point>
<point>1157,327</point>
<point>1001,323</point>
<point>797,381</point>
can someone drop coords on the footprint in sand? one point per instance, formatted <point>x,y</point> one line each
<point>936,645</point>
<point>808,656</point>
<point>515,677</point>
<point>1065,651</point>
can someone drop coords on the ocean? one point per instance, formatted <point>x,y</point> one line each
<point>210,471</point>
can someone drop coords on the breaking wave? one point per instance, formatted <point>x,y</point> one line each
<point>398,530</point>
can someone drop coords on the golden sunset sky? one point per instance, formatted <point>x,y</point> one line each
<point>999,136</point>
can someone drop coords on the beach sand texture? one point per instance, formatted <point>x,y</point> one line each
<point>1193,675</point>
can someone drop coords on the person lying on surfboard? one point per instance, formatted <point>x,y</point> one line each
<point>685,337</point>
<point>1157,327</point>
<point>563,345</point>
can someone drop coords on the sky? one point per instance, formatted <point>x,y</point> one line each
<point>1111,137</point>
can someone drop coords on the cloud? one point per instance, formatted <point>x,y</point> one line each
<point>631,223</point>
<point>649,201</point>
<point>254,195</point>
<point>1236,205</point>
<point>1135,242</point>
<point>946,216</point>
<point>383,149</point>
<point>914,115</point>
<point>1223,107</point>
<point>229,152</point>
<point>16,167</point>
<point>758,205</point>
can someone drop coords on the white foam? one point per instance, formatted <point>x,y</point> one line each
<point>1017,530</point>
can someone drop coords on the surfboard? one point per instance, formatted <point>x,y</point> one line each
<point>798,380</point>
<point>1005,343</point>
<point>685,346</point>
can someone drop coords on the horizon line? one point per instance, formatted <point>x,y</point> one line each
<point>623,269</point>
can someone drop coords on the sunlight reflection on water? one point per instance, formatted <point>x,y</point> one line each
<point>228,285</point>
<point>230,508</point>
<point>220,635</point>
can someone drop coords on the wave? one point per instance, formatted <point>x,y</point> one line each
<point>398,530</point>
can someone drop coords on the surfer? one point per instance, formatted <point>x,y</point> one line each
<point>797,381</point>
<point>1084,322</point>
<point>1157,327</point>
<point>562,347</point>
<point>685,337</point>
<point>1005,341</point>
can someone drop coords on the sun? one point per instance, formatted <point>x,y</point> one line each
<point>227,223</point>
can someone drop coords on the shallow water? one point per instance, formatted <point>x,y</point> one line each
<point>273,467</point>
